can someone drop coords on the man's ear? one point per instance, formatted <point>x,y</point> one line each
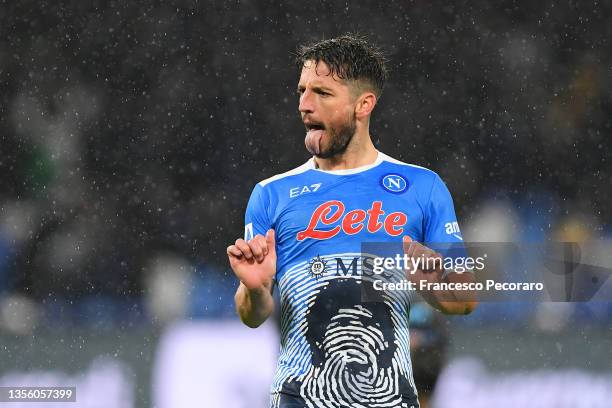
<point>365,104</point>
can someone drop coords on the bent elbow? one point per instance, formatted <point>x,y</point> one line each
<point>251,324</point>
<point>469,307</point>
<point>458,308</point>
<point>247,319</point>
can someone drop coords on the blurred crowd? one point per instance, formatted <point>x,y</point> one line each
<point>131,134</point>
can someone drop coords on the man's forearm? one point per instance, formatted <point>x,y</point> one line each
<point>254,306</point>
<point>453,301</point>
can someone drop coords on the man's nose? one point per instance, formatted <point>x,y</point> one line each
<point>306,102</point>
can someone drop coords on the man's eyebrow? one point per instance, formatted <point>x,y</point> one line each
<point>322,88</point>
<point>316,88</point>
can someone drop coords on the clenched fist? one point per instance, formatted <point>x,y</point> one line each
<point>254,262</point>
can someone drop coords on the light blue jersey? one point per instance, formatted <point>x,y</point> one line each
<point>337,351</point>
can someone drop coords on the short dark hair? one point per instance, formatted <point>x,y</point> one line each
<point>349,57</point>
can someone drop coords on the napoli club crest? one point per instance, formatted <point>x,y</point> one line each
<point>394,183</point>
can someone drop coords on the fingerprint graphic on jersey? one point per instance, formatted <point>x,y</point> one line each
<point>352,345</point>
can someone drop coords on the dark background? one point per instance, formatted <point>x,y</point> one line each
<point>129,129</point>
<point>132,133</point>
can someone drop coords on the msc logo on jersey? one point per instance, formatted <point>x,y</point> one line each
<point>317,266</point>
<point>394,183</point>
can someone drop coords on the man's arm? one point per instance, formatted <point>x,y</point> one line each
<point>439,215</point>
<point>447,301</point>
<point>254,306</point>
<point>254,263</point>
<point>452,302</point>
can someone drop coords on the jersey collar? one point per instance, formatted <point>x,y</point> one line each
<point>379,159</point>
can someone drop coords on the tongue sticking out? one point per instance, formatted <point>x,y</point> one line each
<point>313,141</point>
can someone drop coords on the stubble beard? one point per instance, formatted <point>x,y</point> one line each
<point>340,137</point>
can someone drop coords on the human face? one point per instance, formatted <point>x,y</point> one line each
<point>327,108</point>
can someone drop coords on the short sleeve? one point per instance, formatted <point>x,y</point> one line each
<point>256,218</point>
<point>441,224</point>
<point>442,232</point>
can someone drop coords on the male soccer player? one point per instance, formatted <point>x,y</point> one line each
<point>304,230</point>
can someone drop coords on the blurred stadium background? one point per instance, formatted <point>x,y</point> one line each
<point>131,134</point>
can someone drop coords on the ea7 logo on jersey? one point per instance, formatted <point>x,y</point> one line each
<point>332,213</point>
<point>297,191</point>
<point>452,228</point>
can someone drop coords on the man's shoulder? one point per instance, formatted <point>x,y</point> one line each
<point>408,169</point>
<point>287,176</point>
<point>389,165</point>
